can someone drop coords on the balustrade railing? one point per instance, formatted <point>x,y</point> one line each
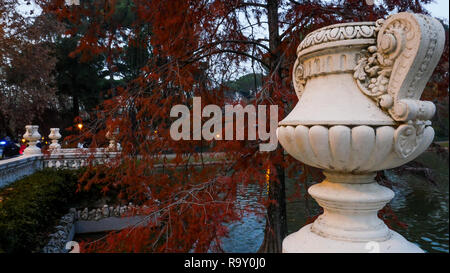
<point>18,167</point>
<point>33,159</point>
<point>76,158</point>
<point>73,158</point>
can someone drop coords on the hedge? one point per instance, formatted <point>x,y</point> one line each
<point>30,207</point>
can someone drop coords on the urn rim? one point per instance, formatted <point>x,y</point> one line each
<point>348,34</point>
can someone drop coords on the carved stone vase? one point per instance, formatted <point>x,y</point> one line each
<point>111,135</point>
<point>359,111</point>
<point>54,136</point>
<point>32,136</point>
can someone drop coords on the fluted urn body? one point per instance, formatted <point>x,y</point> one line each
<point>359,86</point>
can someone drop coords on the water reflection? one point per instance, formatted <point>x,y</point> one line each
<point>424,206</point>
<point>246,235</point>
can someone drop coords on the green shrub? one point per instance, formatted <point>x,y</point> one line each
<point>30,207</point>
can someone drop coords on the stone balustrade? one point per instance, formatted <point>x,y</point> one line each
<point>73,158</point>
<point>33,159</point>
<point>76,158</point>
<point>18,167</point>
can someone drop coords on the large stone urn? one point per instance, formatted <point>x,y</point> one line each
<point>359,111</point>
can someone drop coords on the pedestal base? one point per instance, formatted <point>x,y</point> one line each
<point>305,241</point>
<point>32,150</point>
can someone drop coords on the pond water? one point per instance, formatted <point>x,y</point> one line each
<point>246,235</point>
<point>421,205</point>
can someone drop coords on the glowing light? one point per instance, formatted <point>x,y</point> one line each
<point>218,136</point>
<point>2,142</point>
<point>23,140</point>
<point>80,126</point>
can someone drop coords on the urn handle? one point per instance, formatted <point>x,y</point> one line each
<point>396,70</point>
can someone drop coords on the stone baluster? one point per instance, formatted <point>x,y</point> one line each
<point>32,136</point>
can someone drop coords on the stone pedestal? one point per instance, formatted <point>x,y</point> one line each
<point>359,112</point>
<point>306,241</point>
<point>349,222</point>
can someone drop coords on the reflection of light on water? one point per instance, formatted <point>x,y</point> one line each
<point>424,206</point>
<point>246,235</point>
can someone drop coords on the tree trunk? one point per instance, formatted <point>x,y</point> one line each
<point>6,126</point>
<point>276,225</point>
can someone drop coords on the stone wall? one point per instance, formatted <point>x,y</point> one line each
<point>106,218</point>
